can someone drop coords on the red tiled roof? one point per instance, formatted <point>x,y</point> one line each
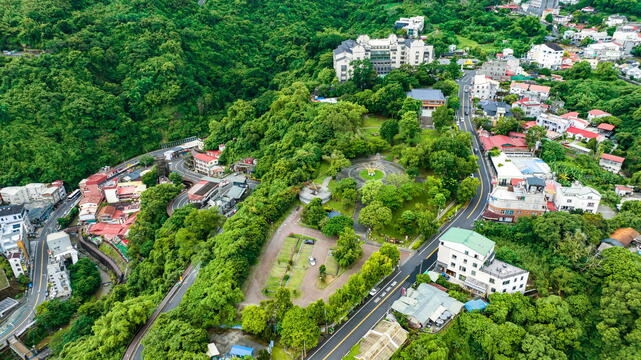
<point>204,157</point>
<point>597,112</point>
<point>515,182</point>
<point>582,132</point>
<point>108,230</point>
<point>502,141</point>
<point>540,88</point>
<point>623,188</point>
<point>606,126</point>
<point>614,158</point>
<point>570,115</point>
<point>529,124</point>
<point>523,86</point>
<point>107,211</point>
<point>515,134</point>
<point>96,179</point>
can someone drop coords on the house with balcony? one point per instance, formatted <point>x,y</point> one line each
<point>522,197</point>
<point>484,88</point>
<point>576,197</point>
<point>546,55</point>
<point>531,108</point>
<point>532,91</point>
<point>469,259</point>
<point>611,162</point>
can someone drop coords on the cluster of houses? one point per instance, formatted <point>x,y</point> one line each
<point>109,203</point>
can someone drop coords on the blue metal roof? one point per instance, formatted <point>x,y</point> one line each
<point>240,351</point>
<point>477,304</point>
<point>426,94</point>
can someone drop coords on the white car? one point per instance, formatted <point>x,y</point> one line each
<point>373,291</point>
<point>312,261</point>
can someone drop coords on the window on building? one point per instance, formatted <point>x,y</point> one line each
<point>491,280</point>
<point>493,290</point>
<point>521,287</point>
<point>473,273</point>
<point>569,201</point>
<point>453,256</point>
<point>464,261</point>
<point>590,204</point>
<point>521,277</point>
<point>503,290</point>
<point>513,288</point>
<point>462,277</point>
<point>506,282</point>
<point>453,265</point>
<point>476,256</point>
<point>467,252</point>
<point>462,268</point>
<point>475,265</point>
<point>442,243</point>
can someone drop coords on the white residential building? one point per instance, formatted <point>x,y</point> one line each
<point>484,88</point>
<point>554,123</point>
<point>561,19</point>
<point>35,192</point>
<point>413,25</point>
<point>611,162</point>
<point>628,36</point>
<point>58,281</point>
<point>569,2</point>
<point>547,55</point>
<point>577,197</point>
<point>597,114</point>
<point>501,68</point>
<point>17,265</point>
<point>616,20</point>
<point>532,91</point>
<point>385,54</point>
<point>630,70</point>
<point>60,247</point>
<point>583,34</point>
<point>604,51</point>
<point>207,163</point>
<point>14,227</point>
<point>531,108</point>
<point>469,259</point>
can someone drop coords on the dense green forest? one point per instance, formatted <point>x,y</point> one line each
<point>119,77</point>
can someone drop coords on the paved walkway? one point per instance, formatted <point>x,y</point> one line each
<point>309,291</point>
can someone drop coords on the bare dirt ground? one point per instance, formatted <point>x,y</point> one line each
<point>309,291</point>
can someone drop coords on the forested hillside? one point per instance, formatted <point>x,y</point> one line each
<point>119,77</point>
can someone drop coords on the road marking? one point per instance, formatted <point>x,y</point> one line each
<point>363,320</point>
<point>480,196</point>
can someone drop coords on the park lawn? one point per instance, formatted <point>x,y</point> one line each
<point>278,353</point>
<point>301,264</point>
<point>4,282</point>
<point>427,133</point>
<point>279,269</point>
<point>370,121</point>
<point>370,134</point>
<point>331,265</point>
<point>469,43</point>
<point>366,176</point>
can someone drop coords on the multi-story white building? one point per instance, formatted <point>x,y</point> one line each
<point>385,54</point>
<point>616,20</point>
<point>583,34</point>
<point>484,88</point>
<point>60,247</point>
<point>530,108</point>
<point>469,259</point>
<point>611,162</point>
<point>58,280</point>
<point>554,123</point>
<point>35,192</point>
<point>628,36</point>
<point>547,55</point>
<point>532,91</point>
<point>561,19</point>
<point>207,163</point>
<point>538,7</point>
<point>501,68</point>
<point>14,227</point>
<point>604,51</point>
<point>412,25</point>
<point>577,197</point>
<point>17,265</point>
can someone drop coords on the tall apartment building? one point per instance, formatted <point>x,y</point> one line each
<point>469,259</point>
<point>385,54</point>
<point>548,55</point>
<point>536,7</point>
<point>484,88</point>
<point>14,227</point>
<point>59,281</point>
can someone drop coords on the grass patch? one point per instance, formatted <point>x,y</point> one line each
<point>301,265</point>
<point>355,350</point>
<point>280,267</point>
<point>370,121</point>
<point>114,255</point>
<point>290,266</point>
<point>278,353</point>
<point>4,282</point>
<point>377,175</point>
<point>331,265</point>
<point>427,133</point>
<point>471,44</point>
<point>322,172</point>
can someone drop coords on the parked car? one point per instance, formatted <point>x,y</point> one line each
<point>373,292</point>
<point>309,241</point>
<point>312,261</point>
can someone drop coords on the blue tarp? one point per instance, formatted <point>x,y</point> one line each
<point>477,304</point>
<point>241,351</point>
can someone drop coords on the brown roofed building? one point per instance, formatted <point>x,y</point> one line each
<point>626,236</point>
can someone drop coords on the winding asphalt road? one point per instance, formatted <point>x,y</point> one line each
<point>376,307</point>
